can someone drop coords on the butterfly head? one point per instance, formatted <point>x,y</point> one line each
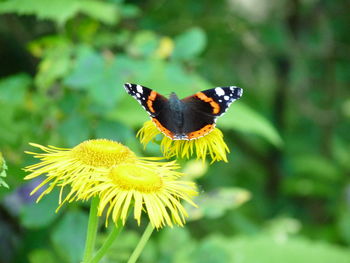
<point>173,96</point>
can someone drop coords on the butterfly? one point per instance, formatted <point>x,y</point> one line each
<point>189,118</point>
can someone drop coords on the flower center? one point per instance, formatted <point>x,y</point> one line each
<point>103,153</point>
<point>133,177</point>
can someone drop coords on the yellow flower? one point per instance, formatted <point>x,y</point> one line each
<point>154,189</point>
<point>211,144</point>
<point>120,179</point>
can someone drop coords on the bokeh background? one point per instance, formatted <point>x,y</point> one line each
<point>284,195</point>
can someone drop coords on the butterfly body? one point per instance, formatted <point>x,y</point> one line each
<point>189,118</point>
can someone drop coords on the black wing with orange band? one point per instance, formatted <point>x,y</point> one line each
<point>149,99</point>
<point>204,107</point>
<point>214,102</point>
<point>155,104</point>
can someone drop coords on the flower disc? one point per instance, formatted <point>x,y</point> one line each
<point>102,153</point>
<point>142,179</point>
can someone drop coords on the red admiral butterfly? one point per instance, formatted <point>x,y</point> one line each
<point>189,118</point>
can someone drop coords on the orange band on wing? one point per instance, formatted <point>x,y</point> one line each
<point>162,128</point>
<point>150,100</point>
<point>203,97</point>
<point>205,130</point>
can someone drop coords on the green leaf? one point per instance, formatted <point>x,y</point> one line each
<point>264,249</point>
<point>210,251</point>
<point>113,130</point>
<point>129,11</point>
<point>14,107</point>
<point>108,90</point>
<point>62,10</point>
<point>16,84</point>
<point>101,79</point>
<point>11,130</point>
<point>341,148</point>
<point>316,167</point>
<point>59,11</point>
<point>313,175</point>
<point>89,66</point>
<point>282,227</point>
<point>75,129</point>
<point>42,256</point>
<point>276,37</point>
<point>189,44</point>
<point>343,225</point>
<point>45,208</point>
<point>101,11</point>
<point>144,43</point>
<point>136,115</point>
<point>54,65</point>
<point>176,252</point>
<point>241,117</point>
<point>3,169</point>
<point>119,251</point>
<point>215,203</point>
<point>247,249</point>
<point>176,73</point>
<point>195,169</point>
<point>69,235</point>
<point>258,248</point>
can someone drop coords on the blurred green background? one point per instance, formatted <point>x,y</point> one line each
<point>283,197</point>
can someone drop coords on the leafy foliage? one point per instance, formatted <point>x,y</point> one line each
<point>60,11</point>
<point>64,64</point>
<point>215,204</point>
<point>70,244</point>
<point>3,169</point>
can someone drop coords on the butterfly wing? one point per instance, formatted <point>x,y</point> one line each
<point>149,99</point>
<point>199,110</point>
<point>202,109</point>
<point>155,104</point>
<point>214,102</point>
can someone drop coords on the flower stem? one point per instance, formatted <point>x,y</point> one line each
<point>140,246</point>
<point>107,244</point>
<point>92,230</point>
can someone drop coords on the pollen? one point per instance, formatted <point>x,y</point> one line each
<point>132,177</point>
<point>102,153</point>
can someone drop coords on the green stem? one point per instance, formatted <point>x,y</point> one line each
<point>140,246</point>
<point>92,230</point>
<point>107,244</point>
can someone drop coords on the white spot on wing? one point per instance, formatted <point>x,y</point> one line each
<point>226,97</point>
<point>139,89</point>
<point>219,91</point>
<point>138,95</point>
